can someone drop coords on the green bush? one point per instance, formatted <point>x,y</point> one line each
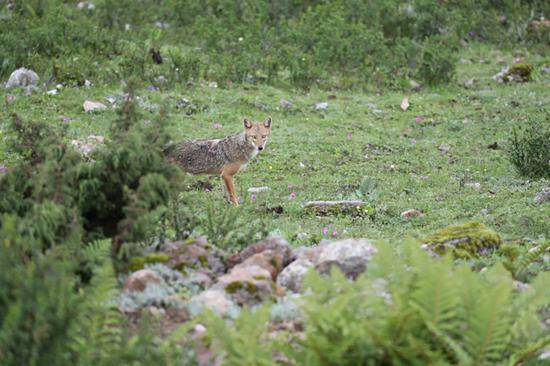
<point>529,149</point>
<point>343,44</point>
<point>408,309</point>
<point>120,194</point>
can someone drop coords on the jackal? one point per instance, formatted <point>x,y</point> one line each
<point>224,156</point>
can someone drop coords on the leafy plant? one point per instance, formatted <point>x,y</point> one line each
<point>529,149</point>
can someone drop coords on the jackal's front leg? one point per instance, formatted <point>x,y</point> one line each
<point>228,180</point>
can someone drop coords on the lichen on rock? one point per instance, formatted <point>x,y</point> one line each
<point>464,241</point>
<point>138,263</point>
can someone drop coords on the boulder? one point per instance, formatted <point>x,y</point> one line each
<point>22,77</point>
<point>274,243</point>
<point>247,285</point>
<point>138,281</point>
<point>215,300</point>
<point>350,255</point>
<point>292,276</point>
<point>269,260</point>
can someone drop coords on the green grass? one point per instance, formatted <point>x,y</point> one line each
<point>309,152</point>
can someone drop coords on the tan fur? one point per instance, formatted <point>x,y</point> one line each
<point>224,156</point>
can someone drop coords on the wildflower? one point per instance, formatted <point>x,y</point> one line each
<point>325,231</point>
<point>334,234</point>
<point>216,126</point>
<point>253,198</point>
<point>350,136</point>
<point>3,169</point>
<point>413,141</point>
<point>292,195</point>
<point>418,118</point>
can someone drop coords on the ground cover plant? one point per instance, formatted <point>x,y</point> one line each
<point>398,105</point>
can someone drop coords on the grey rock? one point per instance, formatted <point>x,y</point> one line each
<point>258,189</point>
<point>285,104</point>
<point>322,106</point>
<point>247,284</point>
<point>22,77</point>
<point>543,196</point>
<point>215,300</point>
<point>90,106</point>
<point>287,308</point>
<point>274,243</point>
<point>292,276</point>
<point>350,255</point>
<point>87,146</point>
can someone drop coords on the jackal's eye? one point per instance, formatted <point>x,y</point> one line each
<point>264,136</point>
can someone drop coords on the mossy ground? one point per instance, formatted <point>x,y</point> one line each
<point>325,155</point>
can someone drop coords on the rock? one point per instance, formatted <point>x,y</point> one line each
<point>195,256</point>
<point>269,260</point>
<point>415,86</point>
<point>285,104</point>
<point>138,281</point>
<point>464,241</point>
<point>275,243</point>
<point>444,149</point>
<point>88,83</point>
<point>52,92</point>
<point>405,103</point>
<point>413,212</point>
<point>248,285</point>
<point>518,73</point>
<point>258,189</point>
<point>474,185</point>
<point>349,255</point>
<point>215,300</point>
<point>86,147</point>
<point>30,89</point>
<point>292,276</point>
<point>464,61</point>
<point>469,83</point>
<point>90,106</point>
<point>327,207</point>
<point>545,70</point>
<point>543,196</point>
<point>499,76</point>
<point>322,106</point>
<point>287,308</point>
<point>85,5</point>
<point>22,77</point>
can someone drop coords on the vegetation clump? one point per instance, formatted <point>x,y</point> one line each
<point>464,241</point>
<point>529,149</point>
<point>138,263</point>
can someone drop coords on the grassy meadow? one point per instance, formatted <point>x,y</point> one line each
<point>445,155</point>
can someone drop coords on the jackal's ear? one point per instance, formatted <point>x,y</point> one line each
<point>247,124</point>
<point>267,122</point>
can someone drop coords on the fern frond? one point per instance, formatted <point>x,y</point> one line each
<point>487,335</point>
<point>452,346</point>
<point>531,256</point>
<point>529,351</point>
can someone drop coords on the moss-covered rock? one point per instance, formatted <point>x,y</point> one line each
<point>138,263</point>
<point>464,241</point>
<point>519,72</point>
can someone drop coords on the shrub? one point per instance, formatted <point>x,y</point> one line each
<point>529,149</point>
<point>120,194</point>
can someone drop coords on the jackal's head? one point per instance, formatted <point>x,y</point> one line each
<point>257,133</point>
